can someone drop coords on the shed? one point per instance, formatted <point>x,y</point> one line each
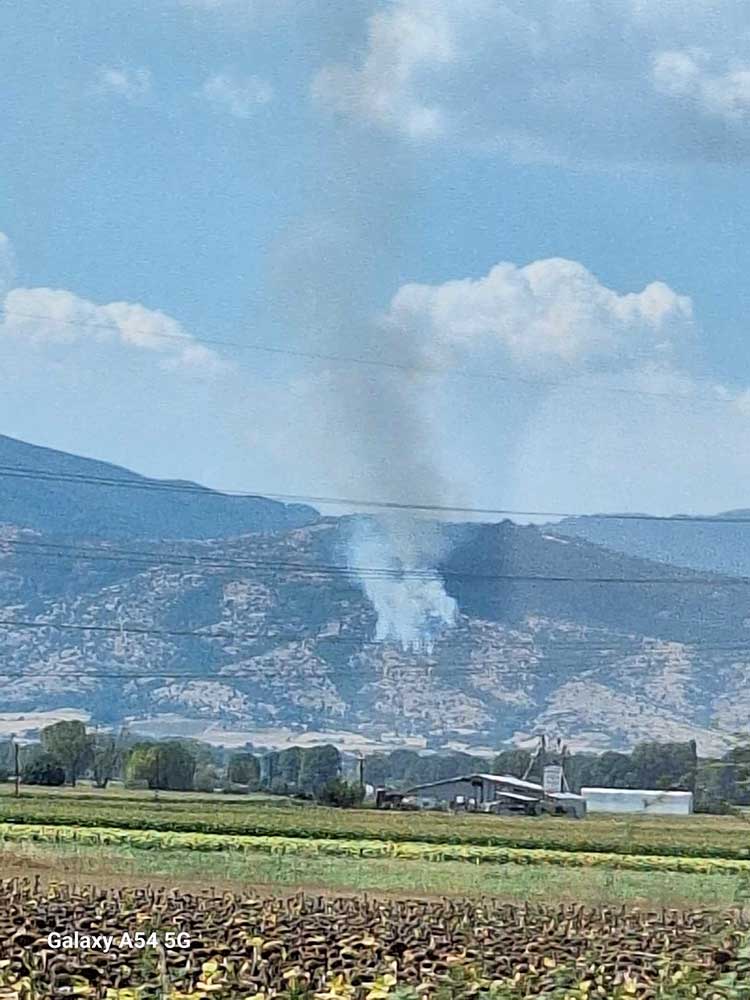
<point>634,800</point>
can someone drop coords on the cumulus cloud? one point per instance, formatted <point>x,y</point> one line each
<point>549,310</point>
<point>47,316</point>
<point>239,96</point>
<point>554,80</point>
<point>130,83</point>
<point>689,76</point>
<point>384,88</point>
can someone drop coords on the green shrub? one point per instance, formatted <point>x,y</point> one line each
<point>43,769</point>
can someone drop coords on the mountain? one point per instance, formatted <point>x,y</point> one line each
<point>52,491</point>
<point>715,543</point>
<point>249,636</point>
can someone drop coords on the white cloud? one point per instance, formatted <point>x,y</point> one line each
<point>383,89</point>
<point>239,96</point>
<point>129,83</point>
<point>7,264</point>
<point>549,310</point>
<point>47,316</point>
<point>688,76</point>
<point>555,80</point>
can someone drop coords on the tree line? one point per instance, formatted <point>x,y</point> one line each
<point>67,752</point>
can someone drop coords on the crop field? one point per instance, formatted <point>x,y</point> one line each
<point>696,836</point>
<point>168,944</point>
<point>365,848</point>
<point>285,873</point>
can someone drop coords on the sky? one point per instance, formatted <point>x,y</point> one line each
<point>491,253</point>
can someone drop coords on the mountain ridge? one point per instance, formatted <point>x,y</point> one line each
<point>69,505</point>
<point>267,630</point>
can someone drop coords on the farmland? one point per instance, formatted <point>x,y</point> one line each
<point>682,837</point>
<point>366,848</point>
<point>245,946</point>
<point>283,873</point>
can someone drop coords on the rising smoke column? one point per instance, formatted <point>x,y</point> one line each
<point>368,431</point>
<point>410,601</point>
<point>370,428</point>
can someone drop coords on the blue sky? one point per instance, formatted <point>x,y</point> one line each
<point>345,178</point>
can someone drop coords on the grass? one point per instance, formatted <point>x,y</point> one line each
<point>512,882</point>
<point>698,836</point>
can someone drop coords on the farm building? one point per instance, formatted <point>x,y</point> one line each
<point>632,800</point>
<point>473,790</point>
<point>496,793</point>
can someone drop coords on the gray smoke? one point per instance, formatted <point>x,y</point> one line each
<point>412,606</point>
<point>368,427</point>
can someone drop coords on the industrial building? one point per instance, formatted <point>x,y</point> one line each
<point>643,801</point>
<point>494,793</point>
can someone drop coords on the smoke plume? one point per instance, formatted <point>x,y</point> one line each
<point>367,427</point>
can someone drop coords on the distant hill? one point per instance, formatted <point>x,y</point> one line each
<point>606,650</point>
<point>32,497</point>
<point>714,545</point>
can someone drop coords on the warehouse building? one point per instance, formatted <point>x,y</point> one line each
<point>496,793</point>
<point>643,801</point>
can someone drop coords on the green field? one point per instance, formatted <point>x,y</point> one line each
<point>79,863</point>
<point>696,836</point>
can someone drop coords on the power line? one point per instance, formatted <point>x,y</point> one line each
<point>188,339</point>
<point>516,645</point>
<point>155,559</point>
<point>155,486</point>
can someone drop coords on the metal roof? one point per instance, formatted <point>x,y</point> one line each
<point>511,795</point>
<point>508,779</point>
<point>494,779</point>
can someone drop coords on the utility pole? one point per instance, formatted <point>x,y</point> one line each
<point>16,768</point>
<point>362,772</point>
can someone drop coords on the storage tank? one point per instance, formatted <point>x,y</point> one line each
<point>635,800</point>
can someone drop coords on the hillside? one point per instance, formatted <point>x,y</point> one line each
<point>49,490</point>
<point>714,544</point>
<point>607,649</point>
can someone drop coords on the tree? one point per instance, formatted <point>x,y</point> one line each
<point>513,762</point>
<point>244,769</point>
<point>338,792</point>
<point>169,765</point>
<point>716,787</point>
<point>282,773</point>
<point>43,769</point>
<point>204,779</point>
<point>70,744</point>
<point>319,766</point>
<point>106,759</point>
<point>665,765</point>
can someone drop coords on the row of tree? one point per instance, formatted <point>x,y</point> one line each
<point>67,752</point>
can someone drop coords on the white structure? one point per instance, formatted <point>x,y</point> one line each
<point>632,800</point>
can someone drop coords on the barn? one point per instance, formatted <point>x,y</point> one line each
<point>476,792</point>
